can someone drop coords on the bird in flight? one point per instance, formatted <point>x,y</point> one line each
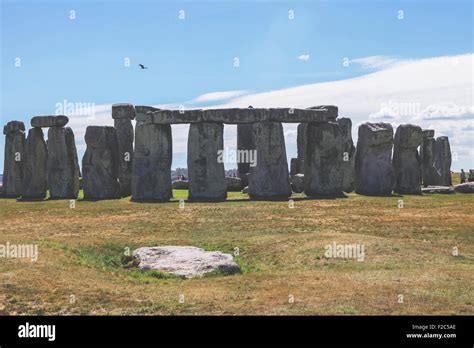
<point>142,66</point>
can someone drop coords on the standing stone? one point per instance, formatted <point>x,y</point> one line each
<point>301,145</point>
<point>269,179</point>
<point>406,161</point>
<point>443,160</point>
<point>294,167</point>
<point>14,158</point>
<point>34,176</point>
<point>348,156</point>
<point>123,114</point>
<point>430,174</point>
<point>206,174</point>
<point>100,164</point>
<point>244,143</point>
<point>151,174</point>
<point>323,160</point>
<point>62,165</point>
<point>373,160</point>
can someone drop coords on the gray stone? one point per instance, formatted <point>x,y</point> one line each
<point>34,174</point>
<point>430,175</point>
<point>151,179</point>
<point>13,159</point>
<point>124,130</point>
<point>438,189</point>
<point>301,145</point>
<point>143,114</point>
<point>62,164</point>
<point>243,115</point>
<point>245,190</point>
<point>180,185</point>
<point>348,157</point>
<point>373,161</point>
<point>206,174</point>
<point>245,143</point>
<point>49,121</point>
<point>100,164</point>
<point>406,160</point>
<point>428,133</point>
<point>443,160</point>
<point>184,261</point>
<point>330,110</point>
<point>233,184</point>
<point>269,179</point>
<point>13,126</point>
<point>467,187</point>
<point>123,110</point>
<point>323,160</point>
<point>294,167</point>
<point>297,183</point>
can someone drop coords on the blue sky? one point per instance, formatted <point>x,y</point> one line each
<point>82,60</point>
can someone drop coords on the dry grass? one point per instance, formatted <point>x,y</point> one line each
<point>408,251</point>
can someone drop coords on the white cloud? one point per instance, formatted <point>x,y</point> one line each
<point>215,96</point>
<point>375,62</point>
<point>304,57</point>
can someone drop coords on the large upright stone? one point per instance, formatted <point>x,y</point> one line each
<point>373,161</point>
<point>348,156</point>
<point>14,158</point>
<point>151,174</point>
<point>206,174</point>
<point>62,165</point>
<point>323,160</point>
<point>406,160</point>
<point>430,175</point>
<point>244,143</point>
<point>301,146</point>
<point>269,179</point>
<point>123,115</point>
<point>100,164</point>
<point>443,160</point>
<point>34,176</point>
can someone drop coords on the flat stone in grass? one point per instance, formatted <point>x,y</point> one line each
<point>184,261</point>
<point>467,187</point>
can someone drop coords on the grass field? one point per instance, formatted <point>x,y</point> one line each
<point>408,252</point>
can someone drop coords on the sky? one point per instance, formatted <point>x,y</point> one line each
<point>391,61</point>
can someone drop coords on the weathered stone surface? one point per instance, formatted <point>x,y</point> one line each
<point>443,160</point>
<point>13,159</point>
<point>233,184</point>
<point>373,161</point>
<point>467,187</point>
<point>348,156</point>
<point>34,175</point>
<point>151,179</point>
<point>294,166</point>
<point>245,190</point>
<point>323,159</point>
<point>297,183</point>
<point>269,179</point>
<point>406,160</point>
<point>428,133</point>
<point>181,185</point>
<point>331,111</point>
<point>184,261</point>
<point>430,175</point>
<point>437,189</point>
<point>124,130</point>
<point>62,165</point>
<point>123,110</point>
<point>100,164</point>
<point>142,115</point>
<point>243,115</point>
<point>206,174</point>
<point>301,145</point>
<point>244,143</point>
<point>49,121</point>
<point>13,126</point>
